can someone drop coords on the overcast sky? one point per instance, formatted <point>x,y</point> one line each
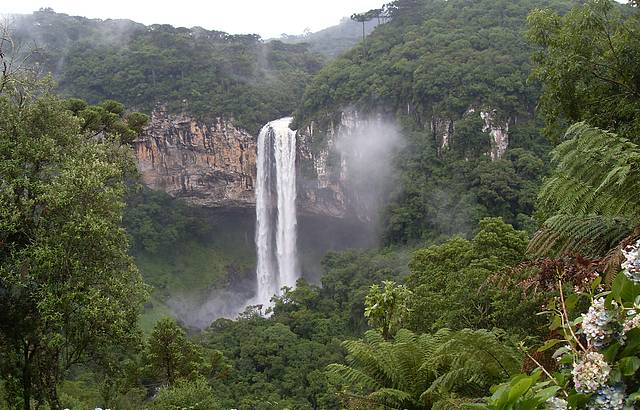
<point>268,18</point>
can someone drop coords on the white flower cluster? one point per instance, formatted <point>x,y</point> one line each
<point>608,398</point>
<point>601,326</point>
<point>556,403</point>
<point>631,265</point>
<point>590,373</point>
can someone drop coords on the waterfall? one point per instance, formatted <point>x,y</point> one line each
<point>276,165</point>
<point>267,284</point>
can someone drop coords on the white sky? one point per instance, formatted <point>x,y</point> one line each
<point>268,18</point>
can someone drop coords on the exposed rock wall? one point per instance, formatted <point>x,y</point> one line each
<point>442,130</point>
<point>321,173</point>
<point>499,132</point>
<point>208,164</point>
<point>213,164</point>
<point>351,159</point>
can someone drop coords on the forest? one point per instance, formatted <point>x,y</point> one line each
<point>498,282</point>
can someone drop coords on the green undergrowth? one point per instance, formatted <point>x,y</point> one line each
<point>186,252</point>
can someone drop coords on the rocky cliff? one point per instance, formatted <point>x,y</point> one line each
<point>443,131</point>
<point>342,166</point>
<point>213,164</point>
<point>208,164</point>
<point>351,159</point>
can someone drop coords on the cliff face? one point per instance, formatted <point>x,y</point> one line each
<point>443,131</point>
<point>341,167</point>
<point>321,173</point>
<point>207,164</point>
<point>351,161</point>
<point>213,165</point>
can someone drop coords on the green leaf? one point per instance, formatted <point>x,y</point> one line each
<point>547,393</point>
<point>577,401</point>
<point>615,376</point>
<point>570,301</point>
<point>629,365</point>
<point>519,389</point>
<point>596,283</point>
<point>632,345</point>
<point>624,291</point>
<point>611,352</point>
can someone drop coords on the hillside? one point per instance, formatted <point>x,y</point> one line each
<point>455,75</point>
<point>206,73</point>
<point>454,223</point>
<point>332,41</point>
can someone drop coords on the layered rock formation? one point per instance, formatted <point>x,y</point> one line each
<point>213,164</point>
<point>443,131</point>
<point>499,132</point>
<point>207,164</point>
<point>341,166</point>
<point>322,173</point>
<point>351,163</point>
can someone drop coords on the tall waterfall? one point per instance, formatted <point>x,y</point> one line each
<point>276,205</point>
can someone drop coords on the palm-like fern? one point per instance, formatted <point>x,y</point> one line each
<point>593,194</point>
<point>423,371</point>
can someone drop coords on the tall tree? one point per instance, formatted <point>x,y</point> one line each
<point>386,307</point>
<point>587,61</point>
<point>68,288</point>
<point>171,355</point>
<point>364,18</point>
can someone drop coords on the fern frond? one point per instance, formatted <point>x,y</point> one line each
<point>590,236</point>
<point>593,192</point>
<point>418,371</point>
<point>393,398</point>
<point>352,376</point>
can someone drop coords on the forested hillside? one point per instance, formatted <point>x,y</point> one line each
<point>205,73</point>
<point>335,40</point>
<point>436,66</point>
<point>509,275</point>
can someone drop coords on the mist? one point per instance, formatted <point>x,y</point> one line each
<point>367,145</point>
<point>197,313</point>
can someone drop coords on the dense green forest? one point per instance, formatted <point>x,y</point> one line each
<point>214,73</point>
<point>447,60</point>
<point>510,283</point>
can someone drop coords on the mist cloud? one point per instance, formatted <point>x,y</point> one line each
<point>367,145</point>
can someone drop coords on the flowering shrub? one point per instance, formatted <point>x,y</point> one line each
<point>590,373</point>
<point>608,397</point>
<point>556,403</point>
<point>631,265</point>
<point>599,357</point>
<point>601,325</point>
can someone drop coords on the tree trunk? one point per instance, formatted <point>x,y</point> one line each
<point>54,401</point>
<point>26,377</point>
<point>364,43</point>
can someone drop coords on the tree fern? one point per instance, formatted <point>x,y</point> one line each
<point>418,372</point>
<point>593,194</point>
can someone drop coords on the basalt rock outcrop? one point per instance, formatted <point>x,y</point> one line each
<point>350,157</point>
<point>213,164</point>
<point>443,131</point>
<point>209,164</point>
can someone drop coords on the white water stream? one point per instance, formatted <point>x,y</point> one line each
<point>276,220</point>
